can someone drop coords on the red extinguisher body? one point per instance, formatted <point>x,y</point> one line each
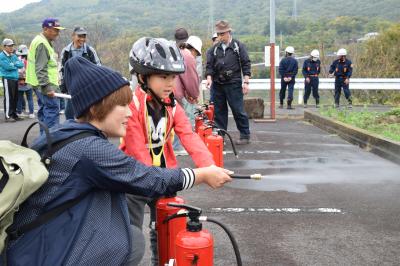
<point>210,114</point>
<point>194,248</point>
<point>167,231</point>
<point>198,121</point>
<point>215,144</point>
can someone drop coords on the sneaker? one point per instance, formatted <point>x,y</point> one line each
<point>180,153</point>
<point>290,107</point>
<point>305,106</point>
<point>32,116</point>
<point>280,106</point>
<point>349,106</point>
<point>22,115</point>
<point>242,141</point>
<point>317,106</point>
<point>337,105</point>
<point>62,112</point>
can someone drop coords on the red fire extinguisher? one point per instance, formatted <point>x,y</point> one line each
<point>211,107</point>
<point>198,121</point>
<point>204,131</point>
<point>167,231</point>
<point>195,245</point>
<point>215,144</point>
<point>209,112</point>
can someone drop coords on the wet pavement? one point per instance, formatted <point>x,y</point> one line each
<point>323,201</point>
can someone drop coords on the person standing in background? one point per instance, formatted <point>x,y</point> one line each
<point>311,70</point>
<point>23,88</point>
<point>341,69</point>
<point>42,72</point>
<point>288,68</point>
<point>9,65</point>
<point>78,47</point>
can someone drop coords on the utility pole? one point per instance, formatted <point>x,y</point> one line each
<point>211,18</point>
<point>294,14</point>
<point>272,55</point>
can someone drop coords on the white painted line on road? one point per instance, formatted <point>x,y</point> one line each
<point>253,152</point>
<point>285,210</point>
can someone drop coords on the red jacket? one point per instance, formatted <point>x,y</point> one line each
<point>135,142</point>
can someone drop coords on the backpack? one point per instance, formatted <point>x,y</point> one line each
<point>22,172</point>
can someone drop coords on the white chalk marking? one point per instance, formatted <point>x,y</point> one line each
<point>286,210</point>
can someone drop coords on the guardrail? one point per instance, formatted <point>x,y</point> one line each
<point>328,84</point>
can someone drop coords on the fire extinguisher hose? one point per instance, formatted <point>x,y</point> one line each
<point>230,235</point>
<point>230,139</point>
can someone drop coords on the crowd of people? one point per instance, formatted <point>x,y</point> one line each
<point>154,121</point>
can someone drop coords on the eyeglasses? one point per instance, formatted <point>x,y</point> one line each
<point>221,33</point>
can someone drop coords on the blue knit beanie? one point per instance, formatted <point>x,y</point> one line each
<point>89,83</point>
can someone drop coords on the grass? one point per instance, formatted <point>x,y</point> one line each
<point>385,124</point>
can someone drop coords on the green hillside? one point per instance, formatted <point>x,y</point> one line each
<point>162,16</point>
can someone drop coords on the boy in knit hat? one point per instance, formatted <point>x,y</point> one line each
<point>96,230</point>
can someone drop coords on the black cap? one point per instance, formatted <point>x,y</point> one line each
<point>181,35</point>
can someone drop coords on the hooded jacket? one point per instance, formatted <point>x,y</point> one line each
<point>135,142</point>
<point>96,231</point>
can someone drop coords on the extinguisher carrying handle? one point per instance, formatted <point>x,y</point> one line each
<point>193,212</point>
<point>176,215</point>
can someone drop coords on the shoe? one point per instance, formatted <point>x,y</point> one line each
<point>280,106</point>
<point>290,107</point>
<point>337,105</point>
<point>22,115</point>
<point>242,141</point>
<point>10,119</point>
<point>317,106</point>
<point>305,106</point>
<point>350,106</point>
<point>180,153</point>
<point>17,118</point>
<point>32,116</point>
<point>62,112</point>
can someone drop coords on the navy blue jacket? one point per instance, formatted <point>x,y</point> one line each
<point>97,230</point>
<point>220,61</point>
<point>342,69</point>
<point>288,67</point>
<point>311,67</point>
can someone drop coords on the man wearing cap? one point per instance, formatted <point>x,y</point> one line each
<point>187,84</point>
<point>42,72</point>
<point>9,65</point>
<point>227,65</point>
<point>78,47</point>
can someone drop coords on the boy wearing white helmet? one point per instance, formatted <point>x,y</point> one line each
<point>311,70</point>
<point>155,114</point>
<point>288,68</point>
<point>342,68</point>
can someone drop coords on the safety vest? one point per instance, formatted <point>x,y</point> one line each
<point>52,70</point>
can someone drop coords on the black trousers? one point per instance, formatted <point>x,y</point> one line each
<point>10,97</point>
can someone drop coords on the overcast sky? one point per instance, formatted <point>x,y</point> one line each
<point>11,5</point>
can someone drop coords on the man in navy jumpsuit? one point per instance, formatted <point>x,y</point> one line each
<point>288,68</point>
<point>342,69</point>
<point>311,70</point>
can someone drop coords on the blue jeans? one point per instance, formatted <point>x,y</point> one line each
<point>49,108</point>
<point>231,94</point>
<point>21,101</point>
<point>282,92</point>
<point>69,111</point>
<point>339,84</point>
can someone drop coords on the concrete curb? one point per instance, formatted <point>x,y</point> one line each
<point>388,149</point>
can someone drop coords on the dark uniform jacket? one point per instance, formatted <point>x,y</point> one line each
<point>311,68</point>
<point>342,69</point>
<point>288,67</point>
<point>224,66</point>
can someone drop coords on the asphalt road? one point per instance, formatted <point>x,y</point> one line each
<point>323,201</point>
